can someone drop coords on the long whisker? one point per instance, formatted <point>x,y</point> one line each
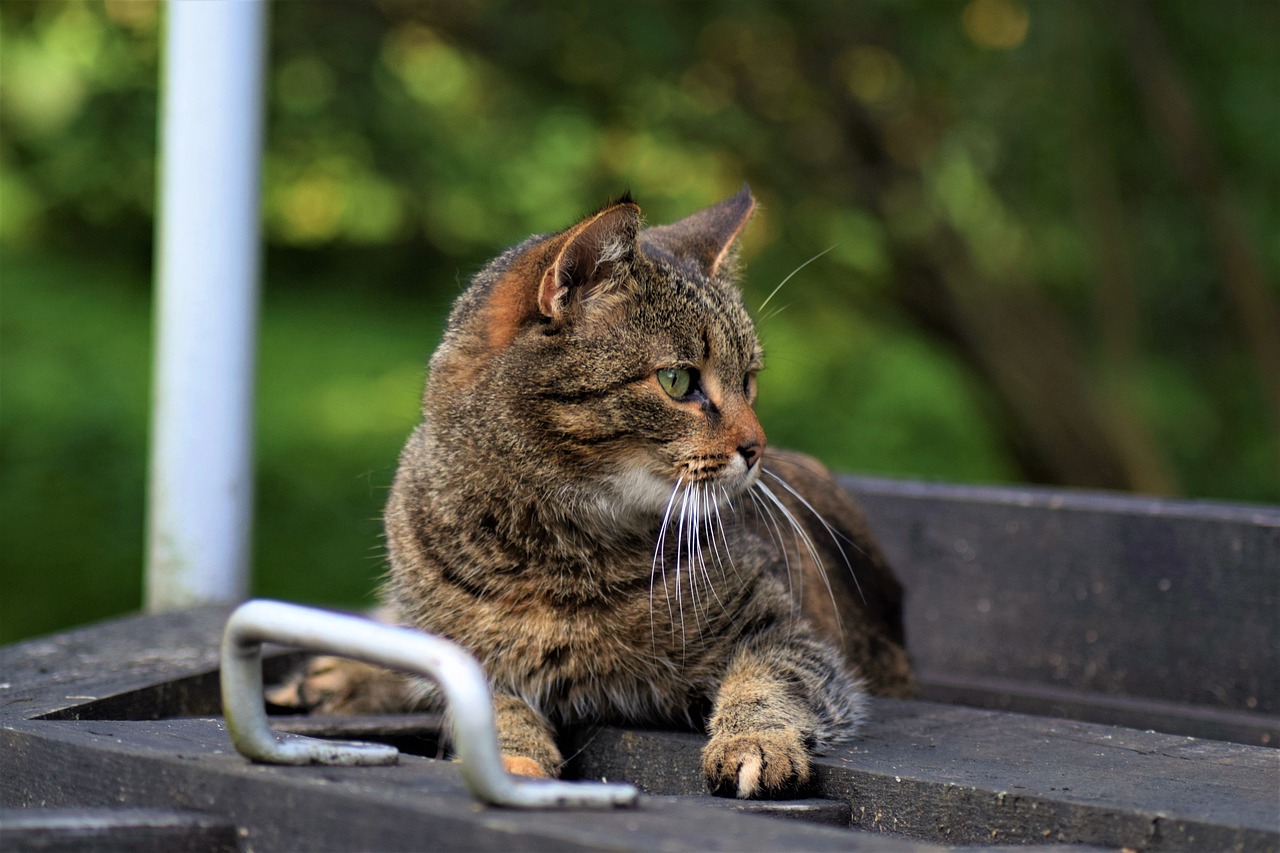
<point>719,524</point>
<point>835,537</point>
<point>724,535</point>
<point>793,272</point>
<point>803,537</point>
<point>659,557</point>
<point>769,517</point>
<point>762,319</point>
<point>704,520</point>
<point>696,562</point>
<point>659,551</point>
<point>680,540</point>
<point>694,546</point>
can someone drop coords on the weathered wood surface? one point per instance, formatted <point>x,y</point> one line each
<point>1115,609</point>
<point>107,830</point>
<point>966,776</point>
<point>86,722</point>
<point>119,715</point>
<point>418,804</point>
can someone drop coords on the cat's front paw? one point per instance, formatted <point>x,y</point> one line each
<point>334,685</point>
<point>755,763</point>
<point>522,765</point>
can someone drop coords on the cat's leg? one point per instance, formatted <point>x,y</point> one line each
<point>335,685</point>
<point>782,696</point>
<point>328,684</point>
<point>525,738</point>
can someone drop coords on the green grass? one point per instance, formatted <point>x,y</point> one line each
<point>72,440</point>
<point>338,390</point>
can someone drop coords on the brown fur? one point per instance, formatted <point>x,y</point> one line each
<point>611,554</point>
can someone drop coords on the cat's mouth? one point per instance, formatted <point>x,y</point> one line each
<point>731,475</point>
<point>703,485</point>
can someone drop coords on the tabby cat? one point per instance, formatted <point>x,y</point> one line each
<point>589,508</point>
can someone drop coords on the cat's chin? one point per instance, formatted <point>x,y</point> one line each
<point>635,497</point>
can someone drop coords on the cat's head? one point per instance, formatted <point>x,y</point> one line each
<point>608,363</point>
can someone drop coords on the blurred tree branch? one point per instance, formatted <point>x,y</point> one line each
<point>1171,112</point>
<point>1009,332</point>
<point>1117,309</point>
<point>996,206</point>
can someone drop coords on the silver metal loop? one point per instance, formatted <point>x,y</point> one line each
<point>459,675</point>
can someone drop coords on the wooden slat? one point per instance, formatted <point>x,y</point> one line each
<point>418,804</point>
<point>961,775</point>
<point>1139,713</point>
<point>106,830</point>
<point>1158,614</point>
<point>1173,601</point>
<point>140,658</point>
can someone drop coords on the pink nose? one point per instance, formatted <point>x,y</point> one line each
<point>751,452</point>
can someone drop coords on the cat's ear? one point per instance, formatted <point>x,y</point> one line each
<point>586,257</point>
<point>551,276</point>
<point>704,239</point>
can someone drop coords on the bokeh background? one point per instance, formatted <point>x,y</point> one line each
<point>1050,235</point>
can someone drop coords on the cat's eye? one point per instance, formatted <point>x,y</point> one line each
<point>676,381</point>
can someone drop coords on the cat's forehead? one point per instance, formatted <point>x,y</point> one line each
<point>702,319</point>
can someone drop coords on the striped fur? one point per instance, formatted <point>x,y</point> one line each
<point>611,554</point>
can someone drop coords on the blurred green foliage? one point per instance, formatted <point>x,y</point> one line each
<point>1049,235</point>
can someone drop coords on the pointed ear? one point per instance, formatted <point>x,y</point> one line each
<point>550,276</point>
<point>586,256</point>
<point>704,239</point>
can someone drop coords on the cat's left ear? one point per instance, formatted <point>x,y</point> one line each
<point>588,256</point>
<point>704,239</point>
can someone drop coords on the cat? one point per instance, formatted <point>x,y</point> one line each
<point>589,508</point>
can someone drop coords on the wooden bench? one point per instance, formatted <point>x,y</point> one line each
<point>1041,621</point>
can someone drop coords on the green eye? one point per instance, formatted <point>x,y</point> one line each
<point>675,381</point>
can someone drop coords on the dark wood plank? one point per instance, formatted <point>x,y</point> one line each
<point>1138,713</point>
<point>117,830</point>
<point>78,729</point>
<point>1174,601</point>
<point>960,775</point>
<point>417,804</point>
<point>120,656</point>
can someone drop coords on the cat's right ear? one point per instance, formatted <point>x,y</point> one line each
<point>553,277</point>
<point>587,257</point>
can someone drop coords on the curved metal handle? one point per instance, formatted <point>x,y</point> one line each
<point>458,674</point>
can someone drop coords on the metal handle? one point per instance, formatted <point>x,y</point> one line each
<point>458,674</point>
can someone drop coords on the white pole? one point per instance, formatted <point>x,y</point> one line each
<point>207,258</point>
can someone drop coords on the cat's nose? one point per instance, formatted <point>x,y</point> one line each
<point>751,452</point>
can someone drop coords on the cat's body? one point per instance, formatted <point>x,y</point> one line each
<point>589,509</point>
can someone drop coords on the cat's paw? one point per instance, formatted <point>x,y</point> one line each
<point>755,763</point>
<point>334,685</point>
<point>522,765</point>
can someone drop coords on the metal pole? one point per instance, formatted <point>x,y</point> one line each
<point>207,259</point>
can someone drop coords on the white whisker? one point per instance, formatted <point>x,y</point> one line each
<point>659,557</point>
<point>680,537</point>
<point>696,562</point>
<point>714,520</point>
<point>789,277</point>
<point>724,536</point>
<point>803,537</point>
<point>835,536</point>
<point>765,318</point>
<point>770,519</point>
<point>704,520</point>
<point>687,526</point>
